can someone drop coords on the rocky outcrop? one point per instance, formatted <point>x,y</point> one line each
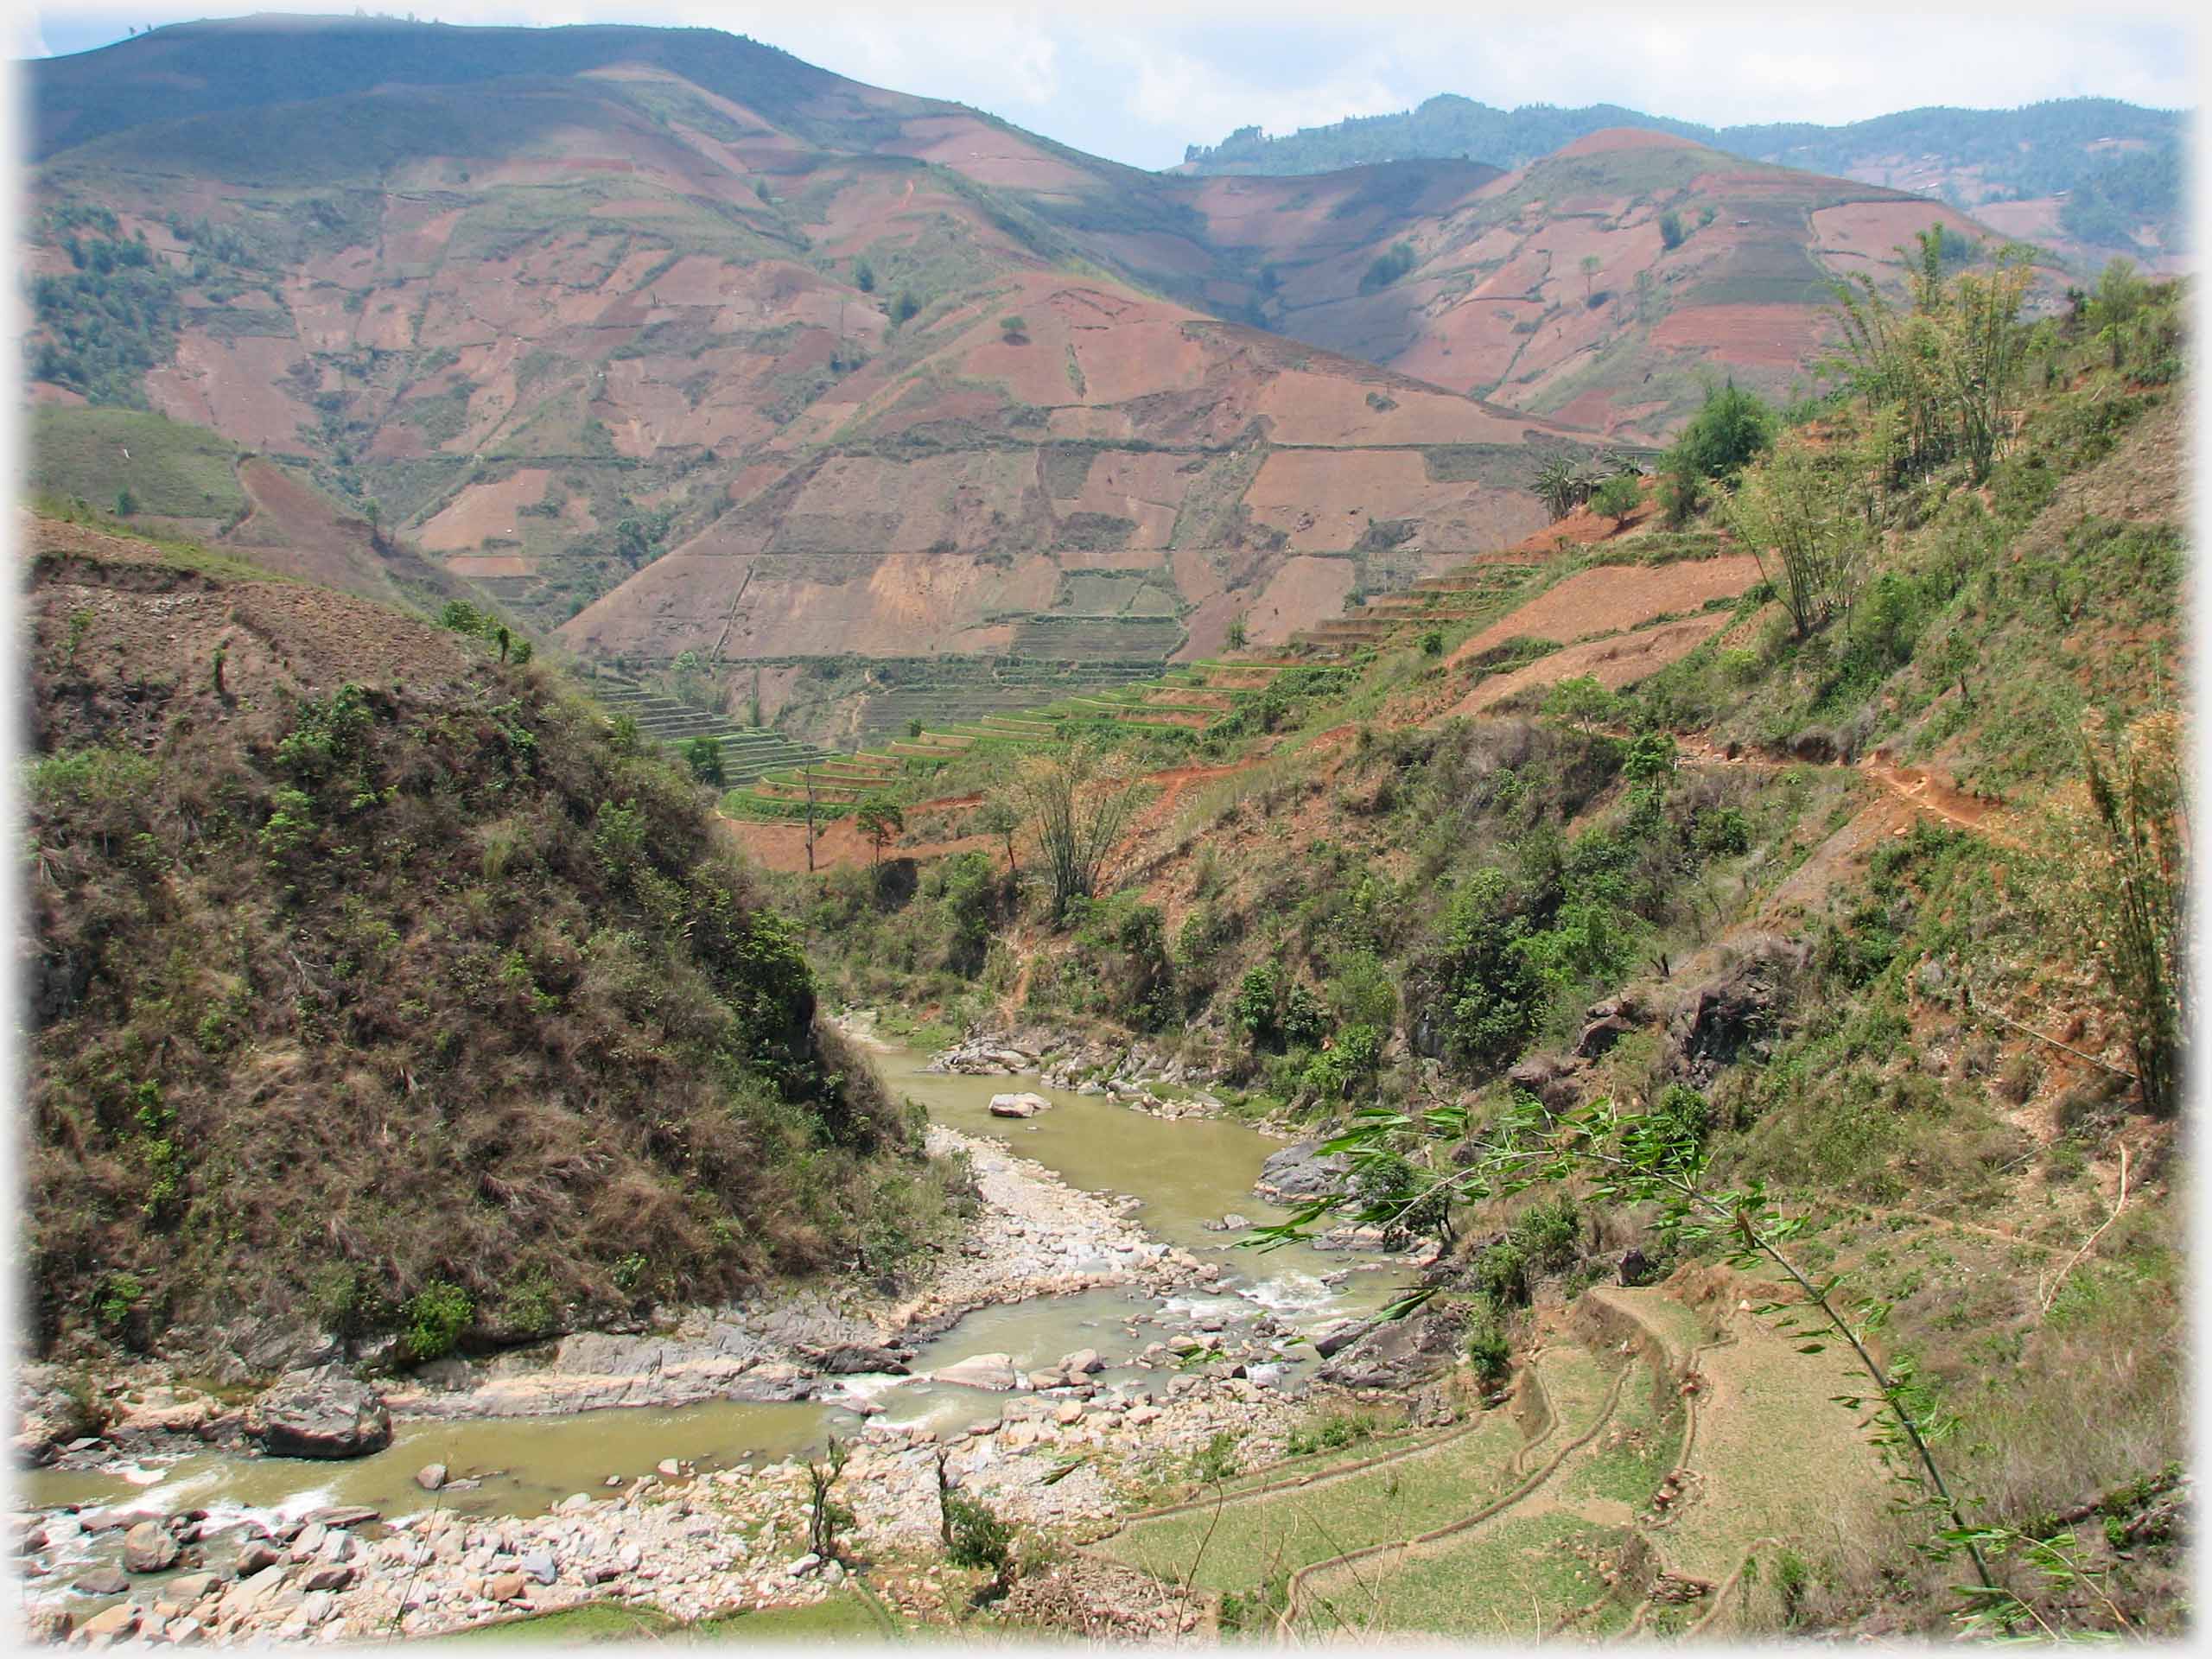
<point>321,1413</point>
<point>1396,1353</point>
<point>1736,1014</point>
<point>1301,1170</point>
<point>51,1413</point>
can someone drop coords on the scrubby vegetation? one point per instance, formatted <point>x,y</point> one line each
<point>388,987</point>
<point>1685,901</point>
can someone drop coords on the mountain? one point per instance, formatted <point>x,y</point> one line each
<point>1605,286</point>
<point>688,349</point>
<point>2089,176</point>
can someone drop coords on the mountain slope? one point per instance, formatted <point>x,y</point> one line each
<point>366,968</point>
<point>1603,286</point>
<point>675,344</point>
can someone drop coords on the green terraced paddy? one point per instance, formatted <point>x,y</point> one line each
<point>1258,1537</point>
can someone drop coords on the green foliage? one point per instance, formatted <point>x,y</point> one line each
<point>435,1317</point>
<point>1671,232</point>
<point>975,1537</point>
<point>1804,513</point>
<point>1487,1348</point>
<point>1731,430</point>
<point>1348,1067</point>
<point>1616,498</point>
<point>100,329</point>
<point>1387,268</point>
<point>703,755</point>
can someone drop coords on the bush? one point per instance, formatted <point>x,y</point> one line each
<point>1387,268</point>
<point>1486,1344</point>
<point>1730,429</point>
<point>1617,496</point>
<point>974,1536</point>
<point>1671,229</point>
<point>435,1317</point>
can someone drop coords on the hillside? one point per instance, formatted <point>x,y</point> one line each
<point>1808,891</point>
<point>671,342</point>
<point>1605,286</point>
<point>378,985</point>
<point>2091,177</point>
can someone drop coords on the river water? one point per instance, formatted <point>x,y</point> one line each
<point>1185,1172</point>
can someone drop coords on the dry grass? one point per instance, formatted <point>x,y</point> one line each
<point>382,966</point>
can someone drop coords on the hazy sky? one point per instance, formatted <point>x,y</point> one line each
<point>1137,80</point>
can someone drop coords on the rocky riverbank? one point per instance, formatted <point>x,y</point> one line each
<point>1064,1453</point>
<point>1137,1075</point>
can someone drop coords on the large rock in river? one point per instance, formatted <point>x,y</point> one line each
<point>993,1372</point>
<point>1024,1104</point>
<point>1394,1353</point>
<point>1301,1170</point>
<point>321,1413</point>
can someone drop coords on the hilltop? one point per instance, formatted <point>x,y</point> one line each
<point>2092,176</point>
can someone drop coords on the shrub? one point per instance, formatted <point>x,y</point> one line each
<point>974,1536</point>
<point>1671,229</point>
<point>436,1316</point>
<point>1616,498</point>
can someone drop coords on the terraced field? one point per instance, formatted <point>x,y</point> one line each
<point>1193,698</point>
<point>1650,1456</point>
<point>748,752</point>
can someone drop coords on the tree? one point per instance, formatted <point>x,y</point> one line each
<point>1616,498</point>
<point>703,755</point>
<point>2118,874</point>
<point>125,503</point>
<point>1590,263</point>
<point>904,308</point>
<point>1237,632</point>
<point>1078,803</point>
<point>1730,429</point>
<point>1797,509</point>
<point>998,818</point>
<point>864,277</point>
<point>1014,330</point>
<point>825,1515</point>
<point>1581,703</point>
<point>1671,229</point>
<point>881,822</point>
<point>1558,486</point>
<point>1940,379</point>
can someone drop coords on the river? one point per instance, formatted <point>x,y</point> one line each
<point>1185,1172</point>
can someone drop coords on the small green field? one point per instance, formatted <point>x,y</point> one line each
<point>173,470</point>
<point>1256,1539</point>
<point>849,1616</point>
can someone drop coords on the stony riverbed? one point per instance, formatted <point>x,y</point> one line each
<point>692,1541</point>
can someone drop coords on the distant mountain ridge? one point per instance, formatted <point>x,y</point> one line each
<point>2114,166</point>
<point>683,348</point>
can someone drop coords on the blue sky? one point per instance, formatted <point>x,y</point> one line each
<point>1137,81</point>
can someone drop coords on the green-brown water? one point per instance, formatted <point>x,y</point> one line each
<point>1185,1172</point>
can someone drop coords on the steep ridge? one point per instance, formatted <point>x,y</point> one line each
<point>370,975</point>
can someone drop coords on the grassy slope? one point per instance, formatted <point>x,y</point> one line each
<point>1950,1163</point>
<point>380,964</point>
<point>175,470</point>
